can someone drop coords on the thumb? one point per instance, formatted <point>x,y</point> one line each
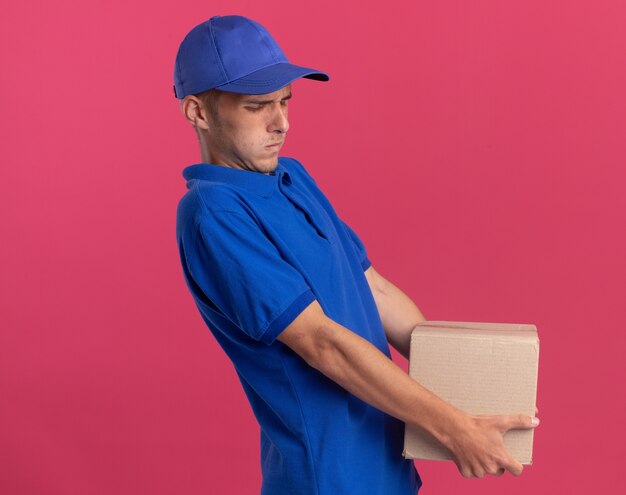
<point>520,422</point>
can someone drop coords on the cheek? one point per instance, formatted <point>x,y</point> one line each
<point>252,135</point>
<point>238,135</point>
<point>247,133</point>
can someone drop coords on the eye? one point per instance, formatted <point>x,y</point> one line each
<point>255,109</point>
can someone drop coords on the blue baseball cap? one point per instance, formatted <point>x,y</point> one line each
<point>236,54</point>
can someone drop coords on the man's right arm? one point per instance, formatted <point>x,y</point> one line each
<point>476,442</point>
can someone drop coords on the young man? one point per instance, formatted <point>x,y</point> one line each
<point>288,291</point>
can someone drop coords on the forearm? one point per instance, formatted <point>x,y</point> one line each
<point>475,442</point>
<point>398,314</point>
<point>360,368</point>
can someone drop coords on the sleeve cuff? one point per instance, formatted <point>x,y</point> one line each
<point>287,316</point>
<point>366,263</point>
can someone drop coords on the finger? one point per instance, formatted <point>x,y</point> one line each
<point>519,422</point>
<point>512,466</point>
<point>493,470</point>
<point>464,470</point>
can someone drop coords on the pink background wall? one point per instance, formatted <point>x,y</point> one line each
<point>478,149</point>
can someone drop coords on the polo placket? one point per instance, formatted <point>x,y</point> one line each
<point>285,187</point>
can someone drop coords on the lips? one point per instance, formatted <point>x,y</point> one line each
<point>275,144</point>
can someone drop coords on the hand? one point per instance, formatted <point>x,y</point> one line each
<point>477,447</point>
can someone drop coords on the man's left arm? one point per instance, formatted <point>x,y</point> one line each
<point>398,312</point>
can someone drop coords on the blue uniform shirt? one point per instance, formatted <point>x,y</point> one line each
<point>256,250</point>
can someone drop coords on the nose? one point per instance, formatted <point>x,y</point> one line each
<point>279,122</point>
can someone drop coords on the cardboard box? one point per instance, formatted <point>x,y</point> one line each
<point>481,368</point>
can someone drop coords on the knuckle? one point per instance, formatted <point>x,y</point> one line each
<point>492,469</point>
<point>502,423</point>
<point>500,460</point>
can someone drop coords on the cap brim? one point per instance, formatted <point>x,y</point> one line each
<point>272,78</point>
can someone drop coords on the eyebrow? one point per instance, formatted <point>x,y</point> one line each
<point>251,100</point>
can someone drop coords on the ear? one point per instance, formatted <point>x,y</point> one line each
<point>194,112</point>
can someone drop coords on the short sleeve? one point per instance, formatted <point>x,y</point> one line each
<point>244,276</point>
<point>358,246</point>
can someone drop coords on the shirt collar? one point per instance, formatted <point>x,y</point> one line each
<point>256,182</point>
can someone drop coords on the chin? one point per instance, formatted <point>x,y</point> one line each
<point>265,165</point>
<point>270,164</point>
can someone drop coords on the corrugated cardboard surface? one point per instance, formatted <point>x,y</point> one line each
<point>481,368</point>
